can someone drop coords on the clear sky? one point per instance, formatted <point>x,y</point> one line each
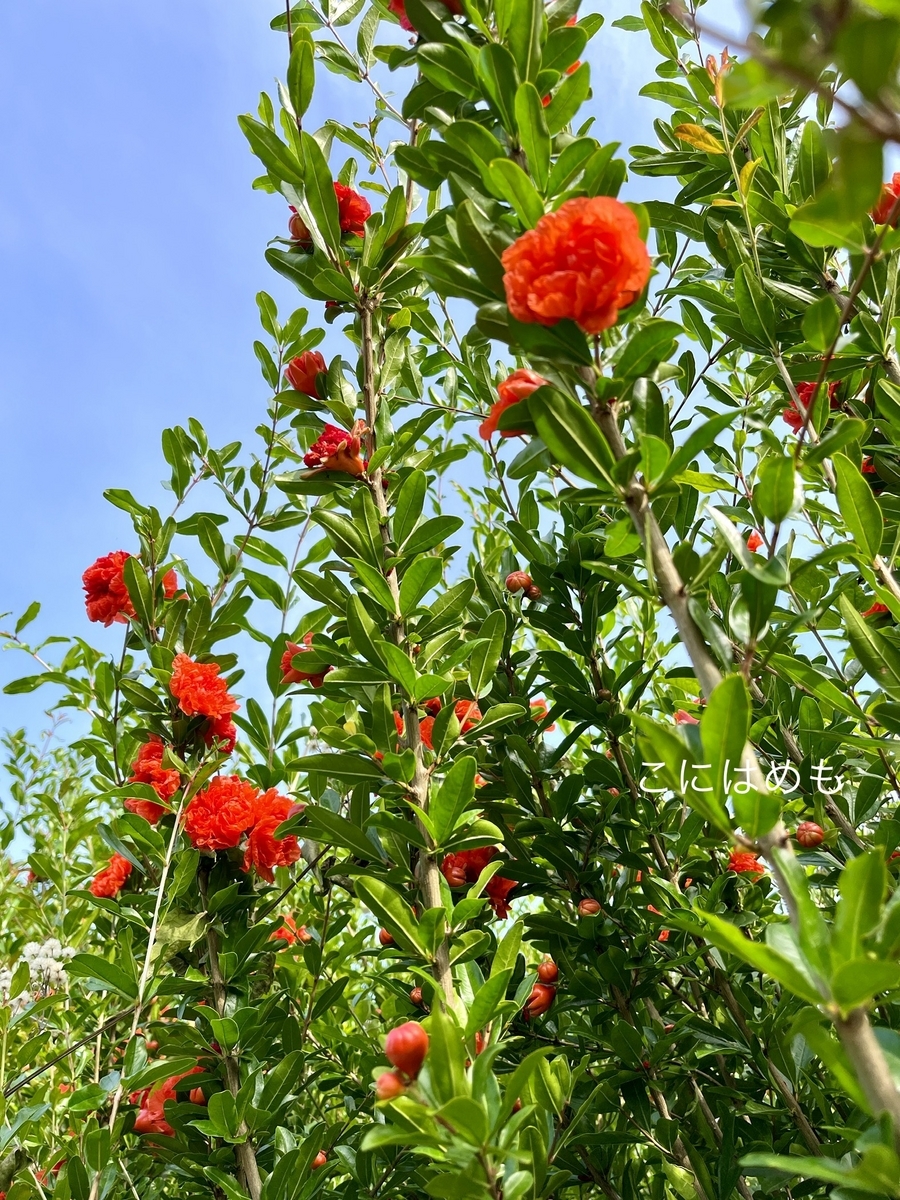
<point>131,250</point>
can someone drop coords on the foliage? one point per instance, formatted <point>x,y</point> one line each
<point>601,676</point>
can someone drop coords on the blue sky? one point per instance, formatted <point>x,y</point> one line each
<point>131,250</point>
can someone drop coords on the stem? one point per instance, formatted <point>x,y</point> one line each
<point>872,1071</point>
<point>428,868</point>
<point>244,1152</point>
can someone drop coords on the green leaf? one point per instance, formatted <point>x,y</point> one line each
<point>878,656</point>
<point>375,583</point>
<point>320,195</point>
<point>301,72</point>
<point>500,79</point>
<point>351,767</point>
<point>524,36</point>
<point>757,312</point>
<point>517,190</point>
<point>861,979</point>
<point>663,746</point>
<point>822,323</point>
<point>334,830</point>
<point>859,507</point>
<point>271,151</point>
<point>423,575</point>
<point>653,343</point>
<point>568,99</point>
<point>775,491</point>
<point>392,911</point>
<point>103,975</point>
<point>862,885</point>
<point>400,667</point>
<point>453,797</point>
<point>449,67</point>
<point>759,956</point>
<point>408,504</point>
<point>486,656</point>
<point>571,435</point>
<point>723,731</point>
<point>533,132</point>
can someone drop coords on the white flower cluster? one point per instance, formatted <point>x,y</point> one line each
<point>46,968</point>
<point>47,962</point>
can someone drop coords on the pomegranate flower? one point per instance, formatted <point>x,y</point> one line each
<point>199,689</point>
<point>513,390</point>
<point>147,768</point>
<point>106,596</point>
<point>290,673</point>
<point>110,881</point>
<point>584,263</point>
<point>466,865</point>
<point>337,450</point>
<point>742,862</point>
<point>805,392</point>
<point>303,371</point>
<point>886,201</point>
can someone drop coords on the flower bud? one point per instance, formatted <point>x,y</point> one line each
<point>517,581</point>
<point>548,971</point>
<point>542,996</point>
<point>810,835</point>
<point>389,1086</point>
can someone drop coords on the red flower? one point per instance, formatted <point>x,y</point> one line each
<point>887,199</point>
<point>742,862</point>
<point>353,210</point>
<point>291,933</point>
<point>302,373</point>
<point>497,890</point>
<point>877,610</point>
<point>106,596</point>
<point>684,718</point>
<point>805,392</point>
<point>516,388</point>
<point>754,541</point>
<point>151,1117</point>
<point>398,8</point>
<point>148,768</point>
<point>218,817</point>
<point>663,933</point>
<point>542,996</point>
<point>466,865</point>
<point>405,1048</point>
<point>110,881</point>
<point>468,714</point>
<point>584,262</point>
<point>539,710</point>
<point>199,690</point>
<point>265,851</point>
<point>221,732</point>
<point>337,450</point>
<point>290,674</point>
